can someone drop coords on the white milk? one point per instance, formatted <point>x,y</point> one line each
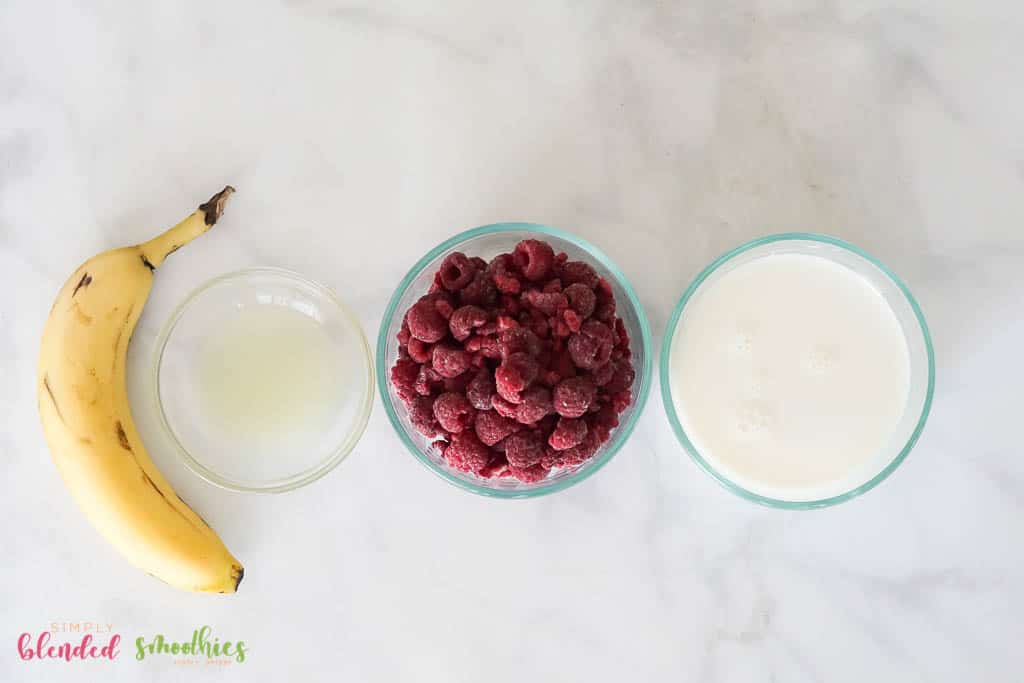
<point>790,374</point>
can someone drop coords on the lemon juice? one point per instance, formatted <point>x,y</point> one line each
<point>269,373</point>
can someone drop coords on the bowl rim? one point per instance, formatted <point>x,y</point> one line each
<point>334,455</point>
<point>621,433</point>
<point>666,389</point>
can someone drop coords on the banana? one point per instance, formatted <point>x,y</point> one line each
<point>83,403</point>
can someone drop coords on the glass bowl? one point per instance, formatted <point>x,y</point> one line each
<point>908,315</point>
<point>488,241</point>
<point>267,431</point>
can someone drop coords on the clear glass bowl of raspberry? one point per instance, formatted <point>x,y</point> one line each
<point>514,360</point>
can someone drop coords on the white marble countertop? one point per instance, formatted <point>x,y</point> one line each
<point>360,135</point>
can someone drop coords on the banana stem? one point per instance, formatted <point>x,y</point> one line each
<point>202,219</point>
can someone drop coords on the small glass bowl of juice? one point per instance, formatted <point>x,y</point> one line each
<point>263,379</point>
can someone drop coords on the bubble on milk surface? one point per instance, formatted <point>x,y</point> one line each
<point>743,343</point>
<point>822,359</point>
<point>753,419</point>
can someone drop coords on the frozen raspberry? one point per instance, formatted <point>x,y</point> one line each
<point>487,346</point>
<point>584,350</point>
<point>623,334</point>
<point>503,407</point>
<point>453,412</point>
<point>569,433</point>
<point>509,304</point>
<point>427,381</point>
<point>463,320</point>
<point>425,323</point>
<point>420,351</point>
<point>572,272</point>
<point>500,272</point>
<point>603,374</point>
<point>440,446</point>
<point>436,285</point>
<point>444,306</point>
<point>552,286</point>
<point>480,292</point>
<point>491,428</point>
<point>444,302</point>
<point>551,458</point>
<point>458,384</point>
<point>449,361</point>
<point>540,327</point>
<point>605,311</point>
<point>561,363</point>
<point>603,422</point>
<point>536,404</point>
<point>622,378</point>
<point>456,271</point>
<point>534,258</point>
<point>421,414</point>
<point>573,396</point>
<point>581,298</point>
<point>592,346</point>
<point>560,328</point>
<point>481,389</point>
<point>506,323</point>
<point>497,467</point>
<point>519,340</point>
<point>548,304</point>
<point>478,263</point>
<point>404,335</point>
<point>529,475</point>
<point>403,378</point>
<point>524,449</point>
<point>572,320</point>
<point>621,400</point>
<point>514,374</point>
<point>467,453</point>
<point>577,455</point>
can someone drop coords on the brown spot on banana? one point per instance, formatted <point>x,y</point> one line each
<point>122,439</point>
<point>145,478</point>
<point>145,262</point>
<point>53,399</point>
<point>84,282</point>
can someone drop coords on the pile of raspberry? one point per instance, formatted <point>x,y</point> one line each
<point>517,366</point>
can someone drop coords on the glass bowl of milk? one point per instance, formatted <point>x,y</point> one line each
<point>797,370</point>
<point>263,380</point>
